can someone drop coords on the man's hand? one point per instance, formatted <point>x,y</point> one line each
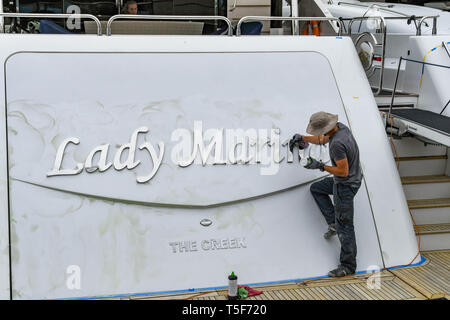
<point>314,164</point>
<point>296,139</point>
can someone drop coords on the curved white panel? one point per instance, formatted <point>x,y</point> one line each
<point>155,113</point>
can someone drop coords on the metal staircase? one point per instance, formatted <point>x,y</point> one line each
<point>424,172</point>
<point>402,99</point>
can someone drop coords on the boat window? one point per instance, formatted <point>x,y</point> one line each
<point>29,6</point>
<point>104,9</point>
<point>110,7</point>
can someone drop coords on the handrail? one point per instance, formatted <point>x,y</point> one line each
<point>54,15</point>
<point>427,63</point>
<point>374,5</point>
<point>392,18</point>
<point>419,27</point>
<point>268,18</point>
<point>445,107</point>
<point>383,44</point>
<point>393,91</point>
<point>382,24</point>
<point>405,16</point>
<point>166,17</point>
<point>396,79</point>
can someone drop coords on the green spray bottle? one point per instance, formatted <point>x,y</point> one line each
<point>232,287</point>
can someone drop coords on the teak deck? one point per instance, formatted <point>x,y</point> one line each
<point>428,281</point>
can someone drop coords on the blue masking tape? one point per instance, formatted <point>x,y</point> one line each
<point>422,260</point>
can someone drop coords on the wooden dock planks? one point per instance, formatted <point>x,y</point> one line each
<point>433,279</point>
<point>427,281</point>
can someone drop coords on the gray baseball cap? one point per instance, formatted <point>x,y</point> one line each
<point>321,123</point>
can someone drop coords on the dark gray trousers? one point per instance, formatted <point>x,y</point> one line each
<point>340,214</point>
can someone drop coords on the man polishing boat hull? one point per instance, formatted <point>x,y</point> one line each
<point>344,154</point>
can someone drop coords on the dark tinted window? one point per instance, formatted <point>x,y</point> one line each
<point>104,9</point>
<point>109,7</point>
<point>48,6</point>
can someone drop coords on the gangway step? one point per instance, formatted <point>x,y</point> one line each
<point>439,178</point>
<point>430,211</point>
<point>426,165</point>
<point>429,203</point>
<point>433,236</point>
<point>388,93</point>
<point>432,228</point>
<point>402,99</point>
<point>426,187</point>
<point>435,157</point>
<point>426,118</point>
<point>384,99</point>
<point>386,107</point>
<point>424,123</point>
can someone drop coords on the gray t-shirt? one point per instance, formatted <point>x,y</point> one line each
<point>343,145</point>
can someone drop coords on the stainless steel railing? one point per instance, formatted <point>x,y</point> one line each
<point>54,15</point>
<point>386,8</point>
<point>383,31</point>
<point>166,17</point>
<point>269,18</point>
<point>419,27</point>
<point>398,72</point>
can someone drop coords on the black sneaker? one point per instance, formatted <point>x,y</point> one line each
<point>340,271</point>
<point>330,233</point>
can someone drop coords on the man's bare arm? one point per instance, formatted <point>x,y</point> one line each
<point>340,170</point>
<point>316,139</point>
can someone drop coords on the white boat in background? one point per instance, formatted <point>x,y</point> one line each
<point>159,163</point>
<point>441,5</point>
<point>383,33</point>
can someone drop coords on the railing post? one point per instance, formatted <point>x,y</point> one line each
<point>395,87</point>
<point>419,27</point>
<point>383,28</point>
<point>294,14</point>
<point>434,26</point>
<point>2,20</point>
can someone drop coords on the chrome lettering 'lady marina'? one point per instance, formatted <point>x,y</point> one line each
<point>102,165</point>
<point>210,147</point>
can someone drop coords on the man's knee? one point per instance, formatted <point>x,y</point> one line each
<point>324,186</point>
<point>344,212</point>
<point>315,187</point>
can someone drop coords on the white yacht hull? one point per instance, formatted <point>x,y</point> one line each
<point>133,226</point>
